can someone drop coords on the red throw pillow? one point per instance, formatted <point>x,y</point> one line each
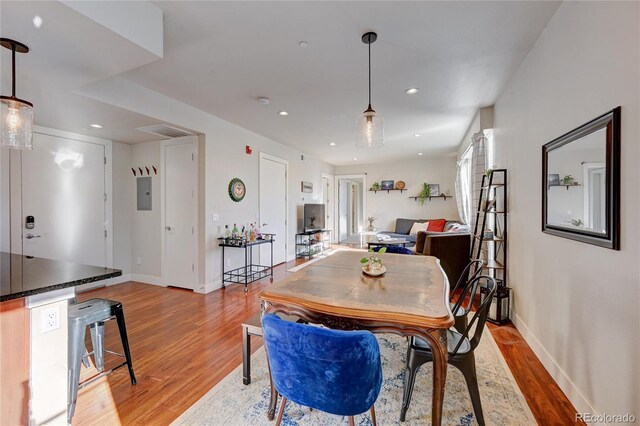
<point>436,225</point>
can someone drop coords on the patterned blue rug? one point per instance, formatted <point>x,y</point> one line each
<point>232,403</point>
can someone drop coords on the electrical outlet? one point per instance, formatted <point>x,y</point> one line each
<point>216,217</point>
<point>50,319</point>
<point>139,260</point>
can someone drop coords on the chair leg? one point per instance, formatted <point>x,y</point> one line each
<point>281,411</point>
<point>373,415</point>
<point>97,340</point>
<point>246,356</point>
<point>351,422</point>
<point>468,368</point>
<point>413,363</point>
<point>75,352</point>
<point>119,314</point>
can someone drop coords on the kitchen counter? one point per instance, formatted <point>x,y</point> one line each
<point>22,276</point>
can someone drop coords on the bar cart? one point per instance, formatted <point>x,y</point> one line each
<point>250,272</point>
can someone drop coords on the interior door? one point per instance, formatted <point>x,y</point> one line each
<point>179,207</point>
<point>273,207</point>
<point>343,209</point>
<point>63,194</point>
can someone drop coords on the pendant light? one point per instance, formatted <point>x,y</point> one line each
<point>370,123</point>
<point>16,115</point>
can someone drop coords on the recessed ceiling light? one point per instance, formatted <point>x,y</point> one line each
<point>355,158</point>
<point>96,126</point>
<point>262,100</point>
<point>303,44</point>
<point>412,91</point>
<point>416,135</point>
<point>37,21</point>
<point>283,113</point>
<point>332,144</point>
<point>419,153</point>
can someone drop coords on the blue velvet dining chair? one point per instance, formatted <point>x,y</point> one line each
<point>338,372</point>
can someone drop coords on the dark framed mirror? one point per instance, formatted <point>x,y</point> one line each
<point>581,183</point>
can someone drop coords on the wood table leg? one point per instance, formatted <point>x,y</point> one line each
<point>440,358</point>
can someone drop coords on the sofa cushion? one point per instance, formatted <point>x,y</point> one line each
<point>417,227</point>
<point>437,225</point>
<point>403,226</point>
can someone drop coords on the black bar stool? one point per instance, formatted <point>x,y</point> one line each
<point>93,313</point>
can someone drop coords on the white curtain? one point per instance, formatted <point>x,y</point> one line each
<point>478,170</point>
<point>463,189</point>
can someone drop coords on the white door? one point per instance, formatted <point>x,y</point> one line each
<point>273,207</point>
<point>63,189</point>
<point>180,197</point>
<point>343,209</point>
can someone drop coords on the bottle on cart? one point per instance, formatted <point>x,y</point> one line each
<point>252,233</point>
<point>235,233</point>
<point>227,234</point>
<point>258,233</point>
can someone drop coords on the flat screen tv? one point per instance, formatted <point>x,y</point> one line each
<point>313,217</point>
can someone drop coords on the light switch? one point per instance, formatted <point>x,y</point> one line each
<point>216,217</point>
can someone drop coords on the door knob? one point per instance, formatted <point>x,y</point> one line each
<point>30,236</point>
<point>265,224</point>
<point>168,228</point>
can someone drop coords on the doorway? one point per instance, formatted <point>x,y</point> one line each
<point>328,195</point>
<point>351,207</point>
<point>179,206</point>
<point>273,207</point>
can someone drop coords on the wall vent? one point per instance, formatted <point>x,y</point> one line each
<point>165,131</point>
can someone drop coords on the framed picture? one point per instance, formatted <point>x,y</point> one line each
<point>554,179</point>
<point>434,189</point>
<point>387,184</point>
<point>306,186</point>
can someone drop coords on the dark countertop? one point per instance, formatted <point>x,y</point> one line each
<point>22,276</point>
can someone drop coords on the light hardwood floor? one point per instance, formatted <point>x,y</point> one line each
<point>184,343</point>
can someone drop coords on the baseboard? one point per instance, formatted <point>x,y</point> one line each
<point>147,279</point>
<point>563,380</point>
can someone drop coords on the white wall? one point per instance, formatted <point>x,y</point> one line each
<point>387,207</point>
<point>225,158</point>
<point>122,206</point>
<point>145,225</point>
<point>577,305</point>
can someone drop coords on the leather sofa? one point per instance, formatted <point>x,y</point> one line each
<point>451,248</point>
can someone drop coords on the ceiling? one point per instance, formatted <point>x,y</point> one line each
<point>221,56</point>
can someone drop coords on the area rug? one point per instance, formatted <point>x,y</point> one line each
<point>232,403</point>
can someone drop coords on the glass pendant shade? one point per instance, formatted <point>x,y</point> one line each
<point>16,123</point>
<point>370,130</point>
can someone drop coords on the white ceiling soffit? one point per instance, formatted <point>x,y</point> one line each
<point>69,51</point>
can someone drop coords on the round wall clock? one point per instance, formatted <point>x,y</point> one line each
<point>237,189</point>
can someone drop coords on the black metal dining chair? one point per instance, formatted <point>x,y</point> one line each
<point>460,348</point>
<point>459,303</point>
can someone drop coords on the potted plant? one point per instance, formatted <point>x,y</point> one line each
<point>375,186</point>
<point>373,263</point>
<point>371,219</point>
<point>567,180</point>
<point>424,193</point>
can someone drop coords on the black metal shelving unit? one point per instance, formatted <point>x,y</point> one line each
<point>312,243</point>
<point>489,241</point>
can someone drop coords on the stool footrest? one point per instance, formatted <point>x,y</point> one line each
<point>99,375</point>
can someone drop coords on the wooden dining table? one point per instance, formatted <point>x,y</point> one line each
<point>410,299</point>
